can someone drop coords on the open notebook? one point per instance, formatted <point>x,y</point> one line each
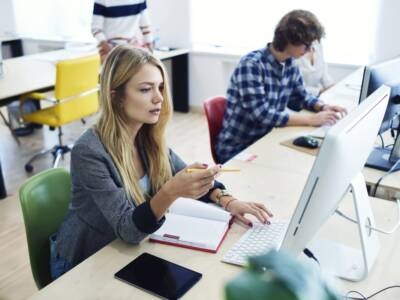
<point>193,224</point>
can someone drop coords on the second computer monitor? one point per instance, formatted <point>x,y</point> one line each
<point>387,73</point>
<point>338,166</point>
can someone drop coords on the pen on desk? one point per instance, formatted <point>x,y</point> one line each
<point>171,236</point>
<point>221,170</point>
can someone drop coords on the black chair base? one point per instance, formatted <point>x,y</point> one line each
<point>57,151</point>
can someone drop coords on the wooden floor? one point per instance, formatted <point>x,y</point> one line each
<point>187,135</point>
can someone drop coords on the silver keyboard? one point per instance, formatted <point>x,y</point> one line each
<point>257,240</point>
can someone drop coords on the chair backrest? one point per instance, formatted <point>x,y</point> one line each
<point>214,109</point>
<point>77,77</point>
<point>44,200</point>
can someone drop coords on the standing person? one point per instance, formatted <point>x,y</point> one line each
<point>266,81</point>
<point>314,70</point>
<point>119,21</point>
<point>124,178</point>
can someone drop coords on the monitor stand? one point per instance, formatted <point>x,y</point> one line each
<point>379,159</point>
<point>344,261</point>
<point>384,159</point>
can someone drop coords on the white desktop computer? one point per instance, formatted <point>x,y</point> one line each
<point>336,170</point>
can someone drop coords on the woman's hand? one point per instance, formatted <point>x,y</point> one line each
<point>191,185</point>
<point>239,208</point>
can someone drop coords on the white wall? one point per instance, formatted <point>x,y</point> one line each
<point>208,76</point>
<point>171,22</point>
<point>209,73</point>
<point>349,25</point>
<point>64,20</point>
<point>8,26</point>
<point>387,43</point>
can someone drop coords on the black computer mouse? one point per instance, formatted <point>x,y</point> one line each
<point>306,141</point>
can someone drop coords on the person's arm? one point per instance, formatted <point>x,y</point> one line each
<point>239,208</point>
<point>318,119</point>
<point>184,184</point>
<point>325,114</point>
<point>300,98</point>
<point>145,27</point>
<point>178,164</point>
<point>99,12</point>
<point>97,25</point>
<point>254,96</point>
<point>90,170</point>
<point>236,207</point>
<point>313,90</point>
<point>326,79</point>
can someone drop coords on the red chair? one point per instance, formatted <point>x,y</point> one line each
<point>214,109</point>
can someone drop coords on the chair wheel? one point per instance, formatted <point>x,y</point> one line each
<point>28,168</point>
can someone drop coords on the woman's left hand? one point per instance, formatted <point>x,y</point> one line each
<point>239,208</point>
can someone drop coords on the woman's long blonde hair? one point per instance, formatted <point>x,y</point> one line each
<point>121,64</point>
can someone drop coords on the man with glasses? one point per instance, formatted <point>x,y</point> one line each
<point>266,81</point>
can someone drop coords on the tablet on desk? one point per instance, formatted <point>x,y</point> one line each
<point>158,276</point>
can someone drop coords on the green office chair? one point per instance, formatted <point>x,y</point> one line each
<point>44,200</point>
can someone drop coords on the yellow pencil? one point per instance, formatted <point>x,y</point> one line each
<point>221,170</point>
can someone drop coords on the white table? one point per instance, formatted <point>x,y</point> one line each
<point>279,190</point>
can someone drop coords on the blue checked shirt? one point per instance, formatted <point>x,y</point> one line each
<point>260,89</point>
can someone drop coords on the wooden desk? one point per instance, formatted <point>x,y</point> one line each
<point>23,75</point>
<point>271,154</point>
<point>280,190</point>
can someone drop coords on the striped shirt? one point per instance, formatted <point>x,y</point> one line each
<point>260,89</point>
<point>120,20</point>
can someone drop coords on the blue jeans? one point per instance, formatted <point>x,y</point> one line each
<point>58,265</point>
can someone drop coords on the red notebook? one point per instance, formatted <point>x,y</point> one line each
<point>195,225</point>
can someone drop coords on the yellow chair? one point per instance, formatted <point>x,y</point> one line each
<point>75,97</point>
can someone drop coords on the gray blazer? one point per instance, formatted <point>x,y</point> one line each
<point>100,211</point>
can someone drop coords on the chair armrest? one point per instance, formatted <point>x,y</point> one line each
<point>37,96</point>
<point>33,96</point>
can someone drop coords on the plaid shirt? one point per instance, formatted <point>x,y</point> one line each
<point>260,89</point>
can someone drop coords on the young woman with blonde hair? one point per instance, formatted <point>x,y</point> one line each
<point>124,177</point>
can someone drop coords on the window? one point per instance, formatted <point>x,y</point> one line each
<point>54,19</point>
<point>350,25</point>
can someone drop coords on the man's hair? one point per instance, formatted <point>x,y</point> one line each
<point>297,27</point>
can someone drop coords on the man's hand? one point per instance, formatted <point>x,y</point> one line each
<point>335,108</point>
<point>104,48</point>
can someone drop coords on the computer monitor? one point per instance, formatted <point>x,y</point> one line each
<point>337,169</point>
<point>387,73</point>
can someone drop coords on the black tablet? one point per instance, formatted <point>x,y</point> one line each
<point>158,276</point>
